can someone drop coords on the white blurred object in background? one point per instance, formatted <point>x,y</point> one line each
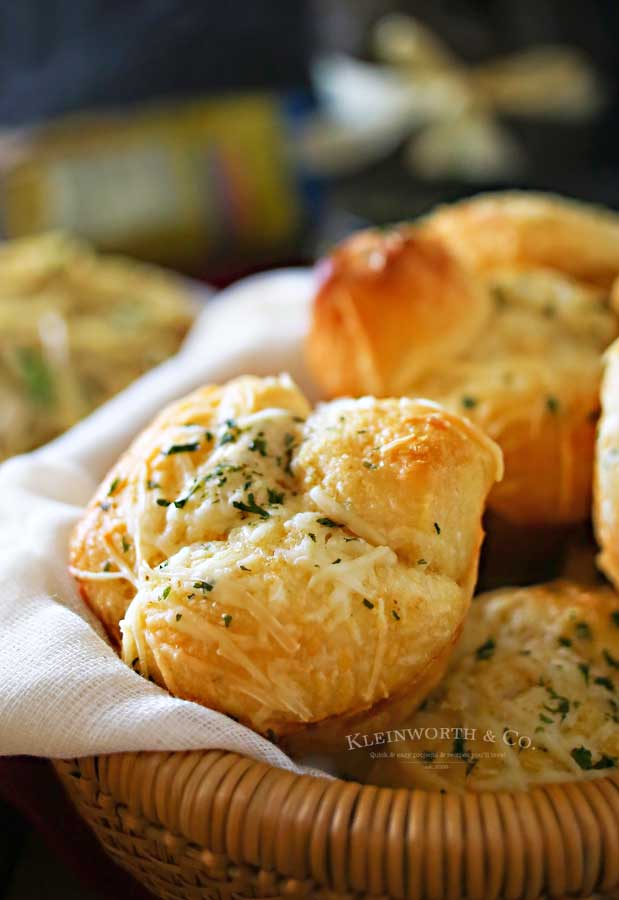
<point>451,108</point>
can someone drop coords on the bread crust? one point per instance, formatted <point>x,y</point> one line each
<point>606,478</point>
<point>525,228</point>
<point>304,572</point>
<point>389,304</point>
<point>527,370</point>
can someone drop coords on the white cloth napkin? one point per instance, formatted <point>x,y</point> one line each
<point>63,690</point>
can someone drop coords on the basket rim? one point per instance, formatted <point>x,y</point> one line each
<point>346,837</point>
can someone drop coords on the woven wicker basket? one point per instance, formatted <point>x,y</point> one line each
<point>209,825</point>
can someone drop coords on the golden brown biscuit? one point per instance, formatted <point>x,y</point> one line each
<point>300,571</point>
<point>606,482</point>
<point>530,697</point>
<point>526,368</point>
<point>531,229</point>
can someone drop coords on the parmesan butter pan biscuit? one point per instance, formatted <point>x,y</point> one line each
<point>516,349</point>
<point>301,571</point>
<point>530,697</point>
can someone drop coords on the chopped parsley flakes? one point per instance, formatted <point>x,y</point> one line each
<point>259,445</point>
<point>583,757</point>
<point>113,486</point>
<point>182,448</point>
<point>276,498</point>
<point>583,631</point>
<point>251,507</point>
<point>584,668</point>
<point>231,435</point>
<point>611,660</point>
<point>469,402</point>
<point>203,585</point>
<point>486,650</point>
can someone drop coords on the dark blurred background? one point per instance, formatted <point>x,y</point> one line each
<point>197,134</point>
<point>132,69</point>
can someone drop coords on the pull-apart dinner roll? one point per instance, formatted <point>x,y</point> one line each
<point>392,305</point>
<point>530,697</point>
<point>301,571</point>
<point>532,229</point>
<point>606,484</point>
<point>517,350</point>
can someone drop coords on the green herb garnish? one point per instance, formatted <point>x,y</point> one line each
<point>583,631</point>
<point>37,376</point>
<point>583,757</point>
<point>182,448</point>
<point>486,650</point>
<point>563,704</point>
<point>459,748</point>
<point>611,660</point>
<point>203,586</point>
<point>251,507</point>
<point>258,445</point>
<point>231,435</point>
<point>469,402</point>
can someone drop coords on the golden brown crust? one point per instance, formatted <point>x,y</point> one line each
<point>527,372</point>
<point>606,479</point>
<point>531,229</point>
<point>390,303</point>
<point>300,571</point>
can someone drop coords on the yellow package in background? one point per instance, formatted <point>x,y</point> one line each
<point>177,184</point>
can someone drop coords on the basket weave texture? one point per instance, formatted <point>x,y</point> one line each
<point>209,825</point>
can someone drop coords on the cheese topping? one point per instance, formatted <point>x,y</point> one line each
<point>532,696</point>
<point>250,584</point>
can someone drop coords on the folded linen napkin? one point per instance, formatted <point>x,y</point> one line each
<point>63,690</point>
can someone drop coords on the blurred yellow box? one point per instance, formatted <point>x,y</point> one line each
<point>175,183</point>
